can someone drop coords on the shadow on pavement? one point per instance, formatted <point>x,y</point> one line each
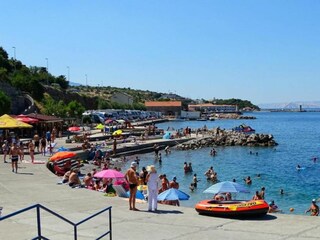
<point>25,173</point>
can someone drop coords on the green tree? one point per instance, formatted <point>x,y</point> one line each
<point>62,81</point>
<point>52,107</point>
<point>5,103</point>
<point>75,109</point>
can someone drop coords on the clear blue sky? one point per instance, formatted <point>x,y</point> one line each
<point>262,51</point>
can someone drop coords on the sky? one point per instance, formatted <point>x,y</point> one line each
<point>264,51</point>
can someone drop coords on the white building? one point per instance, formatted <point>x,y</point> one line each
<point>123,98</point>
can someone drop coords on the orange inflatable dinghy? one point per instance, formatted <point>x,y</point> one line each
<point>236,208</point>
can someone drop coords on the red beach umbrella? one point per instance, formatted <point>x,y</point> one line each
<point>26,119</point>
<point>74,129</point>
<point>108,121</point>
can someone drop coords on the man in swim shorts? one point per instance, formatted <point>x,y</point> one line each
<point>14,155</point>
<point>132,179</point>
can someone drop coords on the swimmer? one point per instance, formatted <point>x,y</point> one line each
<point>281,191</point>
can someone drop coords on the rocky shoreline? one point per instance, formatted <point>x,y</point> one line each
<point>221,137</point>
<point>231,116</point>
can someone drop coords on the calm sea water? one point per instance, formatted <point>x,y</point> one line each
<point>298,135</point>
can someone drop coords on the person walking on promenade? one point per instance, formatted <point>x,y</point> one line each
<point>14,155</point>
<point>153,185</point>
<point>31,148</point>
<point>5,150</point>
<point>36,140</point>
<point>314,208</point>
<point>132,179</point>
<point>48,137</point>
<point>114,148</point>
<point>43,142</point>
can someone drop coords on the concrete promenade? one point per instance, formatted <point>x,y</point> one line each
<point>35,184</point>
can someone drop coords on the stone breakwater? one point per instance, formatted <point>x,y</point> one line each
<point>220,137</point>
<point>231,116</point>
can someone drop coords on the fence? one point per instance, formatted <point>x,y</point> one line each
<point>75,225</point>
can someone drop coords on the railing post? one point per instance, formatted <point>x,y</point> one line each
<point>110,225</point>
<point>39,222</point>
<point>75,232</point>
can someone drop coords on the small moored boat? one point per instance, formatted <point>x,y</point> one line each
<point>233,209</point>
<point>244,129</point>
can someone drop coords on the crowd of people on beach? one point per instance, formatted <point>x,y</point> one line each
<point>14,149</point>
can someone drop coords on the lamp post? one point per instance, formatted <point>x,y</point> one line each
<point>47,71</point>
<point>86,80</point>
<point>14,55</point>
<point>68,73</point>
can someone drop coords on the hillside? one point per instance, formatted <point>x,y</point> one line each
<point>54,95</point>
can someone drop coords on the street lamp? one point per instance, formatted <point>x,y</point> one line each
<point>47,71</point>
<point>14,52</point>
<point>68,73</point>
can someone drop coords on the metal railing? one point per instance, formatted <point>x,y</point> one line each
<point>75,225</point>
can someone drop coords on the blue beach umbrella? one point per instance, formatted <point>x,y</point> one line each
<point>62,149</point>
<point>224,187</point>
<point>139,195</point>
<point>173,194</point>
<point>167,135</point>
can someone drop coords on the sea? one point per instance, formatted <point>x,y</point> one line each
<point>298,136</point>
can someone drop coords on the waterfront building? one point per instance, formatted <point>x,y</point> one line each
<point>169,108</point>
<point>209,107</point>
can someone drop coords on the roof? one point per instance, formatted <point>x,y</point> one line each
<point>46,118</point>
<point>210,105</point>
<point>163,104</point>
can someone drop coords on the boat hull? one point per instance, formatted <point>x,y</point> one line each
<point>233,209</point>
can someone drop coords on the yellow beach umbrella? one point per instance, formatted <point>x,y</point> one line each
<point>9,122</point>
<point>142,187</point>
<point>100,126</point>
<point>117,132</point>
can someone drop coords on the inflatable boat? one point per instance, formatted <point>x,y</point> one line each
<point>234,209</point>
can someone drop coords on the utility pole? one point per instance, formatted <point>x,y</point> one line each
<point>14,55</point>
<point>68,73</point>
<point>47,71</point>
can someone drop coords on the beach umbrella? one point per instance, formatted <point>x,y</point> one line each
<point>142,187</point>
<point>108,121</point>
<point>62,155</point>
<point>62,149</point>
<point>109,173</point>
<point>26,119</point>
<point>121,121</point>
<point>117,132</point>
<point>167,135</point>
<point>74,129</point>
<point>100,126</point>
<point>224,187</point>
<point>139,195</point>
<point>9,122</point>
<point>173,194</point>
